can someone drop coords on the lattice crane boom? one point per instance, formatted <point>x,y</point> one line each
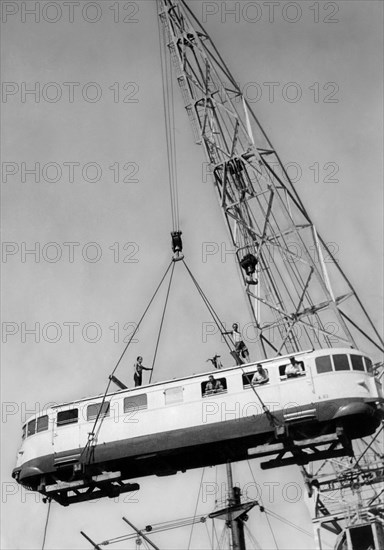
<point>280,254</point>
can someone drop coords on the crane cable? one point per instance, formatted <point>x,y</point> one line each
<point>91,435</point>
<point>273,420</point>
<point>169,120</point>
<point>162,321</point>
<point>100,416</point>
<point>209,306</point>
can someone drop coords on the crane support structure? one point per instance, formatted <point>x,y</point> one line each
<point>286,268</point>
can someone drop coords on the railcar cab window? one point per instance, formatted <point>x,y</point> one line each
<point>368,364</point>
<point>293,369</point>
<point>31,427</point>
<point>35,426</point>
<point>357,362</point>
<point>67,417</point>
<point>213,386</point>
<point>340,361</point>
<point>42,423</point>
<point>94,409</point>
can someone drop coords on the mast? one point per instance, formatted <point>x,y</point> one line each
<point>236,525</point>
<point>282,260</point>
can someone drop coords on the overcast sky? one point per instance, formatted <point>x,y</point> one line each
<point>95,127</point>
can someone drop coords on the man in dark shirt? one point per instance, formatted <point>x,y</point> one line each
<point>241,349</point>
<point>139,367</point>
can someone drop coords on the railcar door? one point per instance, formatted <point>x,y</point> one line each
<point>297,391</point>
<point>66,442</point>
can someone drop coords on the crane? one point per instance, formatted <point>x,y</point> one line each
<point>288,272</point>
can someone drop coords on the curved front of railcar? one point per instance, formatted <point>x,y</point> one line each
<point>348,392</point>
<point>35,456</point>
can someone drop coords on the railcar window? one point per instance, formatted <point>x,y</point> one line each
<point>368,364</point>
<point>323,364</point>
<point>135,403</point>
<point>67,417</point>
<point>292,370</point>
<point>213,385</point>
<point>42,423</point>
<point>93,410</point>
<point>24,431</point>
<point>341,361</point>
<point>173,395</point>
<point>31,429</point>
<point>247,379</point>
<point>357,362</point>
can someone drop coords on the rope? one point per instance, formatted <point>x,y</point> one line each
<point>162,320</point>
<point>169,122</point>
<point>46,524</point>
<point>158,528</point>
<point>197,503</point>
<point>92,433</point>
<point>210,308</point>
<point>266,515</point>
<point>288,522</point>
<point>256,545</point>
<point>271,417</point>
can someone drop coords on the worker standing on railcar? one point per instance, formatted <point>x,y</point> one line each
<point>241,349</point>
<point>138,374</point>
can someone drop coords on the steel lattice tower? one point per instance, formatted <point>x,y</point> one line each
<point>302,294</point>
<point>300,301</point>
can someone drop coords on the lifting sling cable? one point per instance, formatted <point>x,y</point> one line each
<point>169,120</point>
<point>162,321</point>
<point>271,417</point>
<point>91,435</point>
<point>213,313</point>
<point>275,422</point>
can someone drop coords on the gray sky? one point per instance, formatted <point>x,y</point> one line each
<point>336,66</point>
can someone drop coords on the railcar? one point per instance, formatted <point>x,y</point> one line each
<point>177,425</point>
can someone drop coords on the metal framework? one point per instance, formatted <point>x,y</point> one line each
<point>108,484</point>
<point>288,280</point>
<point>348,493</point>
<point>299,297</point>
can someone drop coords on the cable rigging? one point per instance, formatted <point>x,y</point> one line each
<point>100,416</point>
<point>169,122</point>
<point>162,321</point>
